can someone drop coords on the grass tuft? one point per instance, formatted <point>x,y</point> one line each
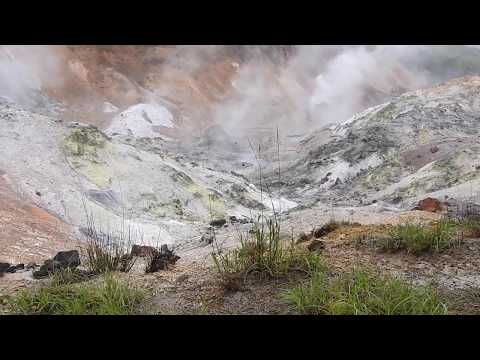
<point>108,252</point>
<point>110,297</point>
<point>418,239</point>
<point>261,251</point>
<point>362,292</point>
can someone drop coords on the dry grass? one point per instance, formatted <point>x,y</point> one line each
<point>108,251</point>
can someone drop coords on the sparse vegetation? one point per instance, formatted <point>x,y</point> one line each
<point>363,292</point>
<point>68,276</point>
<point>470,226</point>
<point>105,252</point>
<point>261,251</point>
<point>418,238</point>
<point>329,227</point>
<point>109,297</point>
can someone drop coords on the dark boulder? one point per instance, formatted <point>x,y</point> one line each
<point>69,258</point>
<point>218,222</point>
<point>31,265</point>
<point>142,250</point>
<point>63,260</point>
<point>14,268</point>
<point>161,259</point>
<point>48,267</point>
<point>4,267</point>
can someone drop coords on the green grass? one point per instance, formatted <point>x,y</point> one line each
<point>68,276</point>
<point>262,251</point>
<point>108,297</point>
<point>362,292</point>
<point>418,239</point>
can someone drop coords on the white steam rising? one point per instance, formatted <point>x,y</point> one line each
<point>316,86</point>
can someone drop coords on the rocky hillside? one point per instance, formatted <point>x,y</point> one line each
<point>422,143</point>
<point>164,138</point>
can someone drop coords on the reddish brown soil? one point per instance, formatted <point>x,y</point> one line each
<point>28,233</point>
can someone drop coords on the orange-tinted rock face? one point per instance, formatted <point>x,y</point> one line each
<point>27,232</point>
<point>127,75</point>
<point>430,205</point>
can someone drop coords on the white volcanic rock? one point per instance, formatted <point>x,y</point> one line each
<point>141,120</point>
<point>420,144</point>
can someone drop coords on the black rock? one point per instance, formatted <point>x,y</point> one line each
<point>40,274</point>
<point>4,267</point>
<point>218,222</point>
<point>207,238</point>
<point>142,251</point>
<point>69,258</point>
<point>14,268</point>
<point>63,260</point>
<point>161,259</point>
<point>48,267</point>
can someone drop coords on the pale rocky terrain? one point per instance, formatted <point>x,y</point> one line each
<point>136,136</point>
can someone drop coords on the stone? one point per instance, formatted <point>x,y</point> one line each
<point>142,250</point>
<point>63,260</point>
<point>430,204</point>
<point>4,267</point>
<point>31,265</point>
<point>69,258</point>
<point>218,222</point>
<point>48,267</point>
<point>207,238</point>
<point>160,260</point>
<point>14,268</point>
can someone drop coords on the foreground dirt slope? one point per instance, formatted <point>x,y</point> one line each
<point>28,233</point>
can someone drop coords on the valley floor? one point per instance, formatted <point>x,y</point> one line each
<point>192,286</point>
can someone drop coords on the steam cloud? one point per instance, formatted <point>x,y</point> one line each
<point>316,86</point>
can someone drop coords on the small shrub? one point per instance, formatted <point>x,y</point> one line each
<point>417,239</point>
<point>362,292</point>
<point>110,297</point>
